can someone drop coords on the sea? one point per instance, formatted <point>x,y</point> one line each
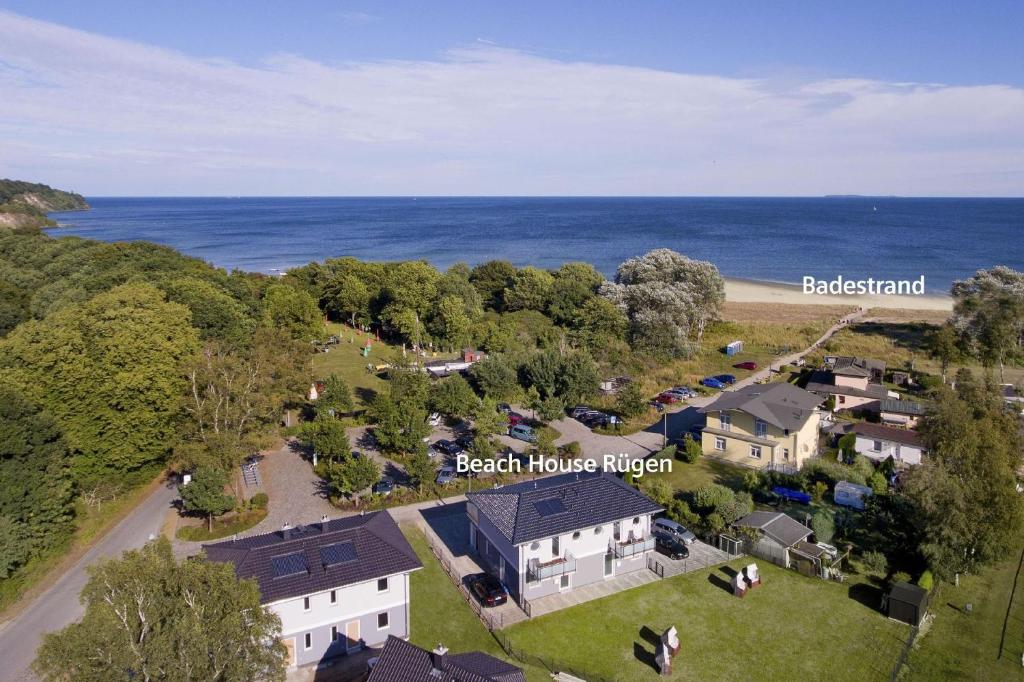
<point>765,239</point>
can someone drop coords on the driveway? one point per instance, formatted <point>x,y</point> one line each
<point>58,605</point>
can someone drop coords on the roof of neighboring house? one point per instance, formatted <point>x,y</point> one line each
<point>901,407</point>
<point>782,405</point>
<point>400,661</point>
<point>850,366</point>
<point>780,527</point>
<point>531,510</point>
<point>822,381</point>
<point>879,432</point>
<point>320,556</point>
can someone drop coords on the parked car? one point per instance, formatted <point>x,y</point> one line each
<point>684,391</point>
<point>669,546</point>
<point>746,365</point>
<point>676,530</point>
<point>487,589</point>
<point>434,419</point>
<point>712,382</point>
<point>726,379</point>
<point>523,432</point>
<point>445,475</point>
<point>515,418</point>
<point>447,447</point>
<point>578,411</point>
<point>504,408</point>
<point>595,419</point>
<point>668,398</point>
<point>659,407</point>
<point>682,395</point>
<point>383,487</point>
<point>464,442</point>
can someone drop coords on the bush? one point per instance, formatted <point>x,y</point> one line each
<point>824,526</point>
<point>741,505</point>
<point>572,449</point>
<point>929,381</point>
<point>875,562</point>
<point>710,497</point>
<point>691,450</point>
<point>680,512</point>
<point>878,483</point>
<point>818,491</point>
<point>831,473</point>
<point>714,523</point>
<point>926,581</point>
<point>900,577</point>
<point>259,501</point>
<point>752,480</point>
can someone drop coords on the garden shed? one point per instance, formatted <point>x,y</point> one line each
<point>907,603</point>
<point>851,495</point>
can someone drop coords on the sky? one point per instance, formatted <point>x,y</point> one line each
<point>660,98</point>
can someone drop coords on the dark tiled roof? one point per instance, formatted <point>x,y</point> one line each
<point>400,661</point>
<point>878,432</point>
<point>782,405</point>
<point>901,407</point>
<point>857,367</point>
<point>824,382</point>
<point>358,548</point>
<point>780,527</point>
<point>589,499</point>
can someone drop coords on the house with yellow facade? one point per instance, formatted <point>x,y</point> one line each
<point>763,426</point>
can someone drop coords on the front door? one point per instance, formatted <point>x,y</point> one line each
<point>609,564</point>
<point>289,645</point>
<point>352,642</point>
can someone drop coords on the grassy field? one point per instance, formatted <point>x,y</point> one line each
<point>962,646</point>
<point>790,628</point>
<point>705,471</point>
<point>440,615</point>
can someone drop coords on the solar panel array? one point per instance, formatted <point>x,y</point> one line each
<point>549,507</point>
<point>339,553</point>
<point>289,564</point>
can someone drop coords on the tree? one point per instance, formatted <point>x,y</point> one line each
<point>36,495</point>
<point>204,494</point>
<point>148,617</point>
<point>631,402</point>
<point>336,396</point>
<point>988,313</point>
<point>530,290</point>
<point>487,421</point>
<point>848,447</point>
<point>495,377</point>
<point>420,470</point>
<point>352,475</point>
<point>574,284</point>
<point>401,427</point>
<point>598,323</point>
<point>410,291</point>
<point>408,386</point>
<point>691,450</point>
<point>878,483</point>
<point>668,298</point>
<point>712,496</point>
<point>326,436</point>
<point>551,409</point>
<point>453,396</point>
<point>350,297</point>
<point>542,372</point>
<point>823,525</point>
<point>491,279</point>
<point>215,313</point>
<point>942,345</point>
<point>578,377</point>
<point>292,310</point>
<point>453,323</point>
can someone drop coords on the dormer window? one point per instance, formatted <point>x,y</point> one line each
<point>760,428</point>
<point>724,421</point>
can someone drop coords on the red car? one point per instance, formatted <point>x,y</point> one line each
<point>746,365</point>
<point>667,398</point>
<point>514,418</point>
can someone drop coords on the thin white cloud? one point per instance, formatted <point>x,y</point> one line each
<point>109,116</point>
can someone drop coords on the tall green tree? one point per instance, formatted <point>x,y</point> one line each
<point>453,396</point>
<point>336,396</point>
<point>988,313</point>
<point>420,470</point>
<point>204,494</point>
<point>292,310</point>
<point>491,279</point>
<point>495,376</point>
<point>352,475</point>
<point>573,286</point>
<point>326,436</point>
<point>631,402</point>
<point>942,345</point>
<point>150,618</point>
<point>36,496</point>
<point>530,290</point>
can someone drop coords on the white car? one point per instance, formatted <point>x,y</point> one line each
<point>434,419</point>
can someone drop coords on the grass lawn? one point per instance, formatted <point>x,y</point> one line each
<point>346,361</point>
<point>961,646</point>
<point>688,477</point>
<point>790,628</point>
<point>439,614</point>
<point>222,527</point>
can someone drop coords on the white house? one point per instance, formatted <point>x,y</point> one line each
<point>555,534</point>
<point>337,585</point>
<point>879,442</point>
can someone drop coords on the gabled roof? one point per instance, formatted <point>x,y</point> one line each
<point>400,661</point>
<point>901,407</point>
<point>319,556</point>
<point>878,432</point>
<point>531,510</point>
<point>782,405</point>
<point>822,381</point>
<point>780,527</point>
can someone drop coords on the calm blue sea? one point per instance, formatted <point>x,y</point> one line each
<point>777,240</point>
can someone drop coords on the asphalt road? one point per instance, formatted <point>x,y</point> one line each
<point>59,605</point>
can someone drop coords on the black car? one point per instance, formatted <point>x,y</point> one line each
<point>464,442</point>
<point>504,408</point>
<point>447,447</point>
<point>487,589</point>
<point>579,411</point>
<point>384,486</point>
<point>670,547</point>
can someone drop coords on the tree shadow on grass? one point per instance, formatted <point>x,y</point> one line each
<point>366,395</point>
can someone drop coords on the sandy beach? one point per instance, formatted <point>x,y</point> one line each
<point>747,291</point>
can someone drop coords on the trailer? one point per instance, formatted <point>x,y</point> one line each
<point>851,495</point>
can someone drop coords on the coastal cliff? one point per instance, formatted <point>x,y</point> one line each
<point>25,205</point>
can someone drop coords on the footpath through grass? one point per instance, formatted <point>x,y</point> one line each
<point>790,628</point>
<point>985,644</point>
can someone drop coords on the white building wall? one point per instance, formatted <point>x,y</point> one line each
<point>908,454</point>
<point>353,600</point>
<point>592,540</point>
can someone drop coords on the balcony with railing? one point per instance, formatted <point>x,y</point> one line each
<point>537,570</point>
<point>633,547</point>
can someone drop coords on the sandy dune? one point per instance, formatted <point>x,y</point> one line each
<point>745,291</point>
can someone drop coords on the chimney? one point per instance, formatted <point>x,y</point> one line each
<point>439,657</point>
<point>323,523</point>
<point>286,531</point>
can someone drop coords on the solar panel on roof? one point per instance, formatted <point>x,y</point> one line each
<point>549,507</point>
<point>289,564</point>
<point>338,553</point>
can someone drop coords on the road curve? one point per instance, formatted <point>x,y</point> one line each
<point>58,605</point>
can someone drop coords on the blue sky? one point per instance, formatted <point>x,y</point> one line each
<point>687,98</point>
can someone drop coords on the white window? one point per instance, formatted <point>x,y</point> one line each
<point>305,603</point>
<point>755,451</point>
<point>382,621</point>
<point>334,596</point>
<point>307,641</point>
<point>760,428</point>
<point>334,633</point>
<point>720,444</point>
<point>877,446</point>
<point>383,585</point>
<point>724,421</point>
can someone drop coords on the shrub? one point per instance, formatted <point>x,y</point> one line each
<point>875,562</point>
<point>929,382</point>
<point>680,512</point>
<point>572,449</point>
<point>878,483</point>
<point>824,526</point>
<point>863,466</point>
<point>752,480</point>
<point>259,501</point>
<point>691,450</point>
<point>714,523</point>
<point>711,497</point>
<point>818,491</point>
<point>831,473</point>
<point>741,505</point>
<point>658,490</point>
<point>926,581</point>
<point>900,577</point>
